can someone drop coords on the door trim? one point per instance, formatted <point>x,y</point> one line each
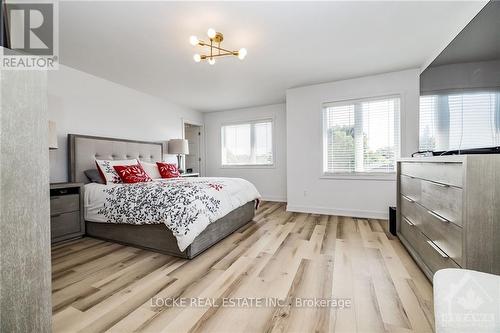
<point>202,147</point>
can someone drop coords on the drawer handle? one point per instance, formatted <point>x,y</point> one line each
<point>55,215</point>
<point>410,223</point>
<point>439,217</point>
<point>437,249</point>
<point>408,199</point>
<point>440,184</point>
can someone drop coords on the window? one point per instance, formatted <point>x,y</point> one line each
<point>249,143</point>
<point>361,136</point>
<point>457,121</point>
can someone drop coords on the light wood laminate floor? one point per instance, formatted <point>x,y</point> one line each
<point>99,286</point>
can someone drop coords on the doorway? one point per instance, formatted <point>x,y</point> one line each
<point>194,160</point>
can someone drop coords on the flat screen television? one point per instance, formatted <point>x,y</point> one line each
<point>460,90</point>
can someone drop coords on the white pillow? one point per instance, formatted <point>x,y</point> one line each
<point>109,173</point>
<point>151,169</point>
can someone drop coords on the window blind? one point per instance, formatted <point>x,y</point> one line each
<point>249,143</point>
<point>457,121</point>
<point>361,136</point>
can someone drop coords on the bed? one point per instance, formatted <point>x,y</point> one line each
<point>155,236</point>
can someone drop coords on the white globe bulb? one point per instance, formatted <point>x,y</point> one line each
<point>211,61</point>
<point>242,53</point>
<point>197,58</point>
<point>211,33</point>
<point>194,40</point>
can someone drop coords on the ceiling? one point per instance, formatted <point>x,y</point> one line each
<point>145,45</point>
<point>479,41</point>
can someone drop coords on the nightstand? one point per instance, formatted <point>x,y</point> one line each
<point>192,174</point>
<point>66,211</point>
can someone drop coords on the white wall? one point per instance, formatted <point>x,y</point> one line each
<point>307,191</point>
<point>81,103</point>
<point>271,182</point>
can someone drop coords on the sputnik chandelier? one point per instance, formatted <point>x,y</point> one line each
<point>216,50</point>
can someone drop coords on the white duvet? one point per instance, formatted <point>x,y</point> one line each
<point>185,205</point>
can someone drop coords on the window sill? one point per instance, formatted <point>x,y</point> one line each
<point>360,176</point>
<point>249,166</point>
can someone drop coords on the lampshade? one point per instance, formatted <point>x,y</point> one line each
<point>178,146</point>
<point>52,135</point>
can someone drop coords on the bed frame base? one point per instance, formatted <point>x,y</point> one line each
<point>158,238</point>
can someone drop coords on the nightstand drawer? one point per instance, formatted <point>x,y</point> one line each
<point>64,204</point>
<point>64,224</point>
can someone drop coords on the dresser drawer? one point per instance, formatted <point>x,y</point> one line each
<point>410,210</point>
<point>430,254</point>
<point>433,256</point>
<point>64,224</point>
<point>411,187</point>
<point>409,231</point>
<point>64,204</point>
<point>446,235</point>
<point>446,173</point>
<point>443,200</point>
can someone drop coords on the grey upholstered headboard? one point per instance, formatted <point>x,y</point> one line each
<point>84,149</point>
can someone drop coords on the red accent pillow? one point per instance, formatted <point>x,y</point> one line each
<point>132,173</point>
<point>168,170</point>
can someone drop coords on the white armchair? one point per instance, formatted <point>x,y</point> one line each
<point>466,301</point>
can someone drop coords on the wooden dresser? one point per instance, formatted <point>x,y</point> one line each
<point>448,211</point>
<point>66,211</point>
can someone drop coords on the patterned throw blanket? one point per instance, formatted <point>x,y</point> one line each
<point>185,205</point>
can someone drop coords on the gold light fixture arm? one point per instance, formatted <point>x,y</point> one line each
<point>211,46</point>
<point>215,48</point>
<point>203,57</point>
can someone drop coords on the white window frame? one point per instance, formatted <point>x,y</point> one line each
<point>381,176</point>
<point>250,166</point>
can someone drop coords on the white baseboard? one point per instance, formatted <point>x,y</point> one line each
<point>273,198</point>
<point>339,212</point>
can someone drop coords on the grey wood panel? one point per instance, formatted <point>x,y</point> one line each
<point>482,212</point>
<point>411,187</point>
<point>64,224</point>
<point>222,228</point>
<point>408,230</point>
<point>433,257</point>
<point>64,204</point>
<point>446,235</point>
<point>440,199</point>
<point>410,211</point>
<point>63,201</point>
<point>446,173</point>
<point>445,201</point>
<point>25,283</point>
